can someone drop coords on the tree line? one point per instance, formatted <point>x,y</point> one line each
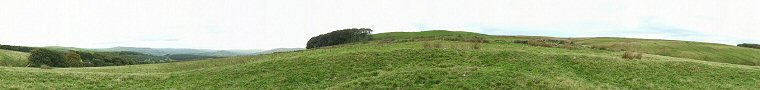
<point>72,58</point>
<point>340,37</point>
<point>16,48</point>
<point>45,57</point>
<point>749,45</point>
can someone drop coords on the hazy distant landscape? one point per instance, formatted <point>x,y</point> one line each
<point>379,45</point>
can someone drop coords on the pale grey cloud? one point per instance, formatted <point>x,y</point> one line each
<point>245,24</point>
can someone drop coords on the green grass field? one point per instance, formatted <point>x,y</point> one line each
<point>405,63</point>
<point>13,58</point>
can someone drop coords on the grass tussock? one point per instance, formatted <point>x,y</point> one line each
<point>474,39</point>
<point>475,45</point>
<point>632,55</point>
<point>439,45</point>
<point>429,45</point>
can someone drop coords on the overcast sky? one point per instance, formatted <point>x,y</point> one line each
<point>266,24</point>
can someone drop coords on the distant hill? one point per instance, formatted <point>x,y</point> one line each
<point>62,48</point>
<point>158,51</point>
<point>186,57</point>
<point>227,53</point>
<point>276,50</point>
<point>180,51</point>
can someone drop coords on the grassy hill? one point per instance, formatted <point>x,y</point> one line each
<point>684,49</point>
<point>406,61</point>
<point>13,58</point>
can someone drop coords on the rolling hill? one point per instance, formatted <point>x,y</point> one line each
<point>277,50</point>
<point>415,60</point>
<point>176,51</point>
<point>157,51</point>
<point>683,49</point>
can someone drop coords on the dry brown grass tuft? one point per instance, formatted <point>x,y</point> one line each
<point>632,55</point>
<point>475,45</point>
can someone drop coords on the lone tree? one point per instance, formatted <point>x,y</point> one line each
<point>340,37</point>
<point>46,57</point>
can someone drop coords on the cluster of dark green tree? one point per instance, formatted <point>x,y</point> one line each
<point>749,45</point>
<point>71,58</point>
<point>16,48</point>
<point>340,37</point>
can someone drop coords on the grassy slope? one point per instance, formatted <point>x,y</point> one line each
<point>404,65</point>
<point>683,49</point>
<point>13,58</point>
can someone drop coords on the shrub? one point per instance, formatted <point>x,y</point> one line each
<point>340,37</point>
<point>632,55</point>
<point>749,45</point>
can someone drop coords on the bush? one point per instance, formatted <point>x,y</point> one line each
<point>340,37</point>
<point>749,45</point>
<point>632,55</point>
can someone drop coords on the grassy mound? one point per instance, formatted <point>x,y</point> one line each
<point>404,65</point>
<point>13,58</point>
